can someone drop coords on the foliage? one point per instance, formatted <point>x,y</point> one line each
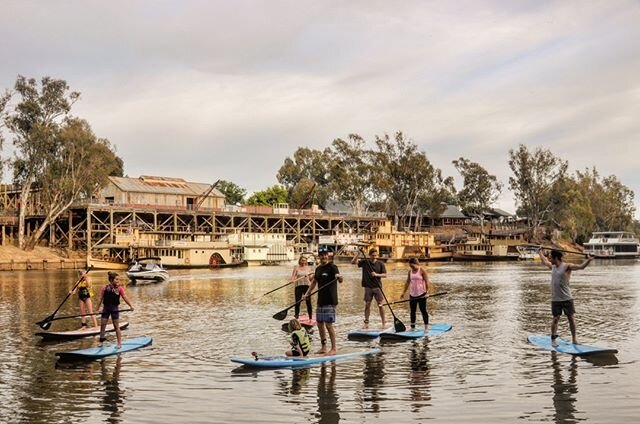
<point>534,175</point>
<point>306,177</point>
<point>269,196</point>
<point>233,193</point>
<point>479,188</point>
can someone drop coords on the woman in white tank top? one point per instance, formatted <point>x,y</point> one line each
<point>300,277</point>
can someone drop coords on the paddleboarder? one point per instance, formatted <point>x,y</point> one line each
<point>110,296</point>
<point>84,298</point>
<point>561,298</point>
<point>326,277</point>
<point>300,342</point>
<point>418,285</point>
<point>300,276</point>
<point>372,272</point>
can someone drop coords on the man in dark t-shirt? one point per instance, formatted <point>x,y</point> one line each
<point>326,277</point>
<point>372,271</point>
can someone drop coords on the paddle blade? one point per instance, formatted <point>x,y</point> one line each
<point>399,326</point>
<point>45,325</point>
<point>280,315</point>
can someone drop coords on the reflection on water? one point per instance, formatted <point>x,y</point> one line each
<point>483,369</point>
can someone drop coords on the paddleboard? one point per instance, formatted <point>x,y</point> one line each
<point>78,334</point>
<point>107,349</point>
<point>434,330</point>
<point>369,333</point>
<point>281,361</point>
<point>567,347</point>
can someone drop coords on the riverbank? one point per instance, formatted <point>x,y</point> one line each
<point>13,259</point>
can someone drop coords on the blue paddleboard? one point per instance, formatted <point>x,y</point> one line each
<point>434,330</point>
<point>567,347</point>
<point>107,349</point>
<point>369,333</point>
<point>281,361</point>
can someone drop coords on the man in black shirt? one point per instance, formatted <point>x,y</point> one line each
<point>372,271</point>
<point>326,277</point>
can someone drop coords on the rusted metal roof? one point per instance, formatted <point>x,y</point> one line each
<point>163,185</point>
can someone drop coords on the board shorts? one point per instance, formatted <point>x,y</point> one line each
<point>370,293</point>
<point>111,311</point>
<point>83,293</point>
<point>326,313</point>
<point>566,306</point>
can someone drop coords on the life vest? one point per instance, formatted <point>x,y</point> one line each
<point>111,295</point>
<point>303,337</point>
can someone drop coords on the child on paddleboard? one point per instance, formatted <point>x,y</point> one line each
<point>418,285</point>
<point>110,296</point>
<point>300,342</point>
<point>84,299</point>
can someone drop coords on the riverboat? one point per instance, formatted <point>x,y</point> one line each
<point>613,245</point>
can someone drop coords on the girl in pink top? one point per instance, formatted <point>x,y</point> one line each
<point>418,285</point>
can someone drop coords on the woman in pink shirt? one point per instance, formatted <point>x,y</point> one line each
<point>418,285</point>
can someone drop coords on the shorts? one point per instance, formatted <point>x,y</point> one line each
<point>294,352</point>
<point>326,314</point>
<point>566,306</point>
<point>111,311</point>
<point>370,293</point>
<point>83,294</point>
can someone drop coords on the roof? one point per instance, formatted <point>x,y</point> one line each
<point>452,211</point>
<point>337,206</point>
<point>499,212</point>
<point>163,185</point>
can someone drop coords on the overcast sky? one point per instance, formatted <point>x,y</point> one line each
<point>208,90</point>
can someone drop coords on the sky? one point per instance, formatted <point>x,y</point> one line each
<point>208,90</point>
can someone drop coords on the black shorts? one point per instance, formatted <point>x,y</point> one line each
<point>83,294</point>
<point>566,306</point>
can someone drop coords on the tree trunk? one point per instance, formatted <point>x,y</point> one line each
<point>22,212</point>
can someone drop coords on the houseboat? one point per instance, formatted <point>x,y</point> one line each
<point>264,248</point>
<point>613,245</point>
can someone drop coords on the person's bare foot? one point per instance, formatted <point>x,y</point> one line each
<point>321,351</point>
<point>384,325</point>
<point>554,343</point>
<point>330,353</point>
<point>119,346</point>
<point>575,341</point>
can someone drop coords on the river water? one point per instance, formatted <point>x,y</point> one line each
<point>484,370</point>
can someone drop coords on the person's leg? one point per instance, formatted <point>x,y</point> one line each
<point>116,325</point>
<point>103,324</point>
<point>309,307</point>
<point>380,300</point>
<point>413,303</point>
<point>299,292</point>
<point>83,310</point>
<point>89,307</point>
<point>323,339</point>
<point>572,327</point>
<point>367,312</point>
<point>332,337</point>
<point>554,330</point>
<point>422,302</point>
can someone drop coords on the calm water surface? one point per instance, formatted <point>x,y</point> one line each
<point>482,371</point>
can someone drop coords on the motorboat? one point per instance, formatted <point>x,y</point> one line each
<point>147,269</point>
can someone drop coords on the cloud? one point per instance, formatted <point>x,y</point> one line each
<point>208,90</point>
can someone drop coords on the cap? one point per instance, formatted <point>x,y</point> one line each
<point>322,250</point>
<point>413,260</point>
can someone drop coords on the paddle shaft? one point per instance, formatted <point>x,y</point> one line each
<point>86,315</point>
<point>419,297</point>
<point>559,250</point>
<point>397,324</point>
<point>282,286</point>
<point>51,317</point>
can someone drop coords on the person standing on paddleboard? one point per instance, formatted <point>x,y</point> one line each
<point>300,276</point>
<point>110,296</point>
<point>418,285</point>
<point>372,272</point>
<point>561,299</point>
<point>326,277</point>
<point>84,299</point>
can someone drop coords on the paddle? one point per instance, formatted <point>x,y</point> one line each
<point>283,313</point>
<point>86,315</point>
<point>397,324</point>
<point>419,297</point>
<point>553,248</point>
<point>45,324</point>
<point>278,288</point>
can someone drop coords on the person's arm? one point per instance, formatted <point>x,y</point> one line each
<point>337,274</point>
<point>293,274</point>
<point>100,301</point>
<point>380,274</point>
<point>355,257</point>
<point>406,286</point>
<point>311,286</point>
<point>126,298</point>
<point>583,265</point>
<point>425,276</point>
<point>544,259</point>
